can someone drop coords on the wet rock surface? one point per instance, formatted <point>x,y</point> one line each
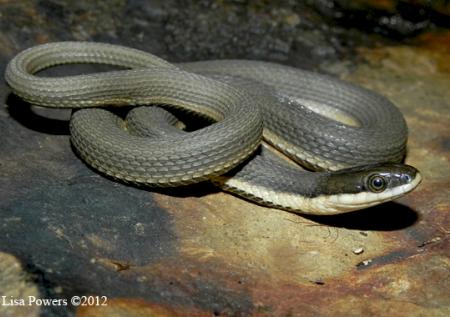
<point>197,251</point>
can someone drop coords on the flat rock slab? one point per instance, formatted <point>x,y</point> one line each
<point>197,251</point>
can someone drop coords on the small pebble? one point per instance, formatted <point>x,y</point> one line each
<point>367,262</point>
<point>364,263</point>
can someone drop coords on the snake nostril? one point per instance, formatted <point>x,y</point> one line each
<point>406,178</point>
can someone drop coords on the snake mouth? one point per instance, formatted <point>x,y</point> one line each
<point>341,203</point>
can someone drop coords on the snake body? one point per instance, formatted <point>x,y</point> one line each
<point>318,121</point>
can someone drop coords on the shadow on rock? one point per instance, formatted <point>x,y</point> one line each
<point>385,217</point>
<point>193,190</point>
<point>49,121</point>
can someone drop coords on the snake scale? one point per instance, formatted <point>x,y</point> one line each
<point>353,138</point>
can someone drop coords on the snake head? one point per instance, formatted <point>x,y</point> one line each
<point>365,186</point>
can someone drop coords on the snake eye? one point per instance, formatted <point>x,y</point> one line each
<point>377,183</point>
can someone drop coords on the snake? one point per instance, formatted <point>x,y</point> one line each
<point>273,134</point>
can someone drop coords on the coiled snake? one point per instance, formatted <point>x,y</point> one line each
<point>355,138</point>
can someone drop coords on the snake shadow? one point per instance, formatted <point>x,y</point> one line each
<point>389,216</point>
<point>56,123</point>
